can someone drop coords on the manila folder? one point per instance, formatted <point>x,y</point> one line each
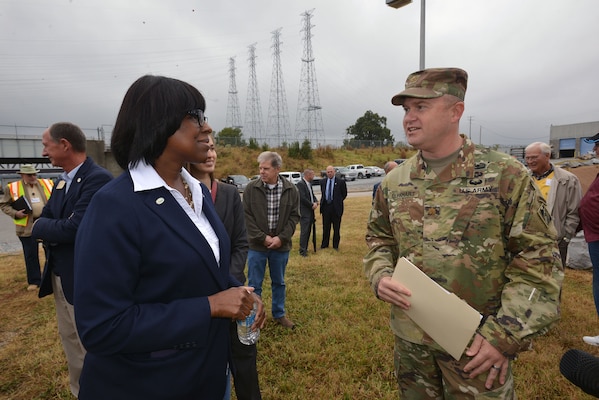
<point>447,319</point>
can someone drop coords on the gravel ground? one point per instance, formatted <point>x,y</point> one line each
<point>9,242</point>
<point>9,248</point>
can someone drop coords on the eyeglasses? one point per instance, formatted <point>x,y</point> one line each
<point>199,116</point>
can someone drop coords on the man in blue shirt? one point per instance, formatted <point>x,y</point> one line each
<point>334,191</point>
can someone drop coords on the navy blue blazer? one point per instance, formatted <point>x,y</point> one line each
<point>60,219</point>
<point>339,194</point>
<point>143,272</point>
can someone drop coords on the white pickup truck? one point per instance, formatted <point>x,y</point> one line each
<point>362,171</point>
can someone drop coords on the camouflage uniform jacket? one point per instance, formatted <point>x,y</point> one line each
<point>481,230</point>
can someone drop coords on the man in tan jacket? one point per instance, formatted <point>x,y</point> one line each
<point>560,188</point>
<point>36,192</point>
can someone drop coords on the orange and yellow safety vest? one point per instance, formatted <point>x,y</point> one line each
<point>17,190</point>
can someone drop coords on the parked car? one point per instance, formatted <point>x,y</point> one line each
<point>316,180</point>
<point>375,171</point>
<point>323,173</point>
<point>347,174</point>
<point>240,181</point>
<point>361,170</point>
<point>292,176</point>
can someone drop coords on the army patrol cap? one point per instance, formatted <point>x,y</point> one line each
<point>594,139</point>
<point>432,83</point>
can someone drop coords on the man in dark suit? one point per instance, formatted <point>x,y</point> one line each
<point>65,146</point>
<point>334,191</point>
<point>308,204</point>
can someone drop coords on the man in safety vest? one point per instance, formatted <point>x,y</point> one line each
<point>23,201</point>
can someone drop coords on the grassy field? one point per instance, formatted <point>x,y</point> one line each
<point>341,348</point>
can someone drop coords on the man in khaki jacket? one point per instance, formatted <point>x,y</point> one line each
<point>560,188</point>
<point>36,192</point>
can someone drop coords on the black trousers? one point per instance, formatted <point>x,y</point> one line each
<point>32,260</point>
<point>330,218</point>
<point>563,250</point>
<point>245,373</point>
<point>305,231</point>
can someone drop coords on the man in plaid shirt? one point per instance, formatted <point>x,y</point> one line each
<point>271,206</point>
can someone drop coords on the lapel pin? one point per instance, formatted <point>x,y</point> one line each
<point>78,180</point>
<point>160,200</point>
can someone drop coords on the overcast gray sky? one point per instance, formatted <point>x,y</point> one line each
<point>532,63</point>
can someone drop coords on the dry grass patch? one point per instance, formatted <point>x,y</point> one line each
<point>242,160</point>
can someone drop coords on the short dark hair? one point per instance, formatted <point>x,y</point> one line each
<point>152,111</point>
<point>71,133</point>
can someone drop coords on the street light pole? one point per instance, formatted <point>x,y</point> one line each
<point>422,30</point>
<point>402,3</point>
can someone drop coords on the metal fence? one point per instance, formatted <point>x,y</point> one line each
<point>32,131</point>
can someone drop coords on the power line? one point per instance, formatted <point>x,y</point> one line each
<point>308,123</point>
<point>253,108</point>
<point>278,113</point>
<point>233,119</point>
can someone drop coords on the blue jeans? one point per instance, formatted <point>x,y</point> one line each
<point>594,253</point>
<point>277,263</point>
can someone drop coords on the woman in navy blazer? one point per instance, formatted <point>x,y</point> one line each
<point>153,295</point>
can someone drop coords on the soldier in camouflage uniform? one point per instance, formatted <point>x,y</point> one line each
<point>473,221</point>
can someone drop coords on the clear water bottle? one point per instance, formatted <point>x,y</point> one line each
<point>244,328</point>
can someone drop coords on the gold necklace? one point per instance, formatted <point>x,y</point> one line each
<point>188,196</point>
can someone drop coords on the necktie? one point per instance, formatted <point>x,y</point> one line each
<point>67,181</point>
<point>330,191</point>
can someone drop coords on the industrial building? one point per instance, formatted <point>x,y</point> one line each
<point>567,140</point>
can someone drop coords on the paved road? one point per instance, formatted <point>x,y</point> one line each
<point>9,242</point>
<point>359,185</point>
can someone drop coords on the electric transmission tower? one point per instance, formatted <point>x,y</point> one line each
<point>233,116</point>
<point>278,113</point>
<point>308,122</point>
<point>253,109</point>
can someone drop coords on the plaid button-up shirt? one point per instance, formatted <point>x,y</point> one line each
<point>273,199</point>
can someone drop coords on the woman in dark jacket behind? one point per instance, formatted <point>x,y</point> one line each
<point>230,210</point>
